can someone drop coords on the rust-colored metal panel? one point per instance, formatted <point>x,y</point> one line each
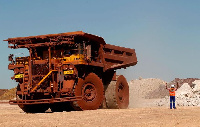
<point>67,86</point>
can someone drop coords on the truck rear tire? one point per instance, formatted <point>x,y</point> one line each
<point>34,108</point>
<point>92,90</point>
<point>57,107</point>
<point>117,94</point>
<point>61,106</point>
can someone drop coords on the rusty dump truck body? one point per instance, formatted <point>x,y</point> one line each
<point>67,71</point>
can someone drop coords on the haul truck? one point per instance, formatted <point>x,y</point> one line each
<point>69,71</point>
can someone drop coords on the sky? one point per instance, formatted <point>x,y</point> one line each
<point>164,33</point>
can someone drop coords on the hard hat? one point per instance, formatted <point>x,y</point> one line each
<point>172,86</point>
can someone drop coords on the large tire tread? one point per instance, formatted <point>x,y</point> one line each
<point>112,95</point>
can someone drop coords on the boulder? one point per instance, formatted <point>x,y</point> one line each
<point>184,91</point>
<point>196,86</point>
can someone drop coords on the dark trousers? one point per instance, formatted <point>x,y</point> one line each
<point>172,102</point>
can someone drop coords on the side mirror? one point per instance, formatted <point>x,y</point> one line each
<point>10,58</point>
<point>88,48</point>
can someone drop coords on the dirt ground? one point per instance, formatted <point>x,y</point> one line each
<point>2,91</point>
<point>11,115</point>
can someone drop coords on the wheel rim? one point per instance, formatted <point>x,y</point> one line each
<point>121,92</point>
<point>89,92</point>
<point>92,91</point>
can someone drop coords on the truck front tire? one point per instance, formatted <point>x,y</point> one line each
<point>92,90</point>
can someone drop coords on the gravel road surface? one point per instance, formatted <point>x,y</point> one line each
<point>11,115</point>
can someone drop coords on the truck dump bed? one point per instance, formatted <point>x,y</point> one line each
<point>50,39</point>
<point>118,57</point>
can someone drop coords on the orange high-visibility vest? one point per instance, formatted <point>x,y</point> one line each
<point>171,92</point>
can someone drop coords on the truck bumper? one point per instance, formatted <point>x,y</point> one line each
<point>45,101</point>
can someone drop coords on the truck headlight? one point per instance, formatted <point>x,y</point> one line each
<point>71,66</point>
<point>16,70</point>
<point>65,67</point>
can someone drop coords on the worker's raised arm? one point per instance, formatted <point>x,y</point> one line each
<point>166,86</point>
<point>177,85</point>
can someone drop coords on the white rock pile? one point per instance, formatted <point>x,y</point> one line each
<point>185,96</point>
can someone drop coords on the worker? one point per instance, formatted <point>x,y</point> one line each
<point>172,90</point>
